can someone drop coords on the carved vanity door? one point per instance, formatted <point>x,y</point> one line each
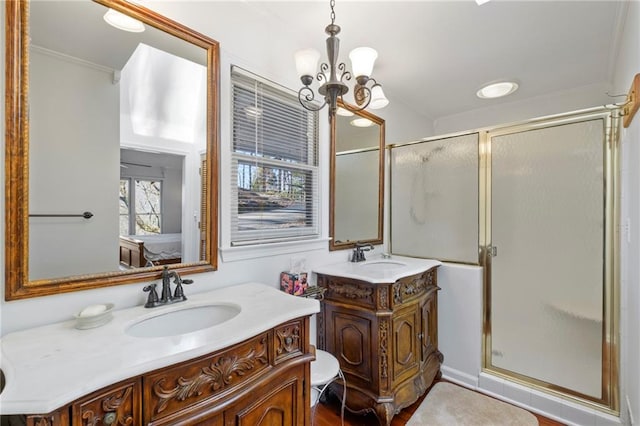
<point>406,327</point>
<point>349,333</point>
<point>277,402</point>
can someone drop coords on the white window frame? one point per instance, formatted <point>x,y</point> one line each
<point>274,237</point>
<point>132,201</point>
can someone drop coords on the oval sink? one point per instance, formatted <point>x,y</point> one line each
<point>183,321</point>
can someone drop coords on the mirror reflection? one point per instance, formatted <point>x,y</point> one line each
<point>122,118</point>
<point>118,146</point>
<point>357,173</point>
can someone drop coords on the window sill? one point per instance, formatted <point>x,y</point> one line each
<point>233,254</point>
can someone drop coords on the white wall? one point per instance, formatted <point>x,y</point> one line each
<point>64,171</point>
<point>627,65</point>
<point>460,322</point>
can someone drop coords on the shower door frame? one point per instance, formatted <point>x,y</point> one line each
<point>610,326</point>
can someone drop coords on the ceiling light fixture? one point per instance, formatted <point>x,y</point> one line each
<point>497,90</point>
<point>123,22</point>
<point>481,2</point>
<point>361,122</point>
<point>332,75</point>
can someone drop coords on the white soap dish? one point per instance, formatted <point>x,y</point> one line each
<point>94,316</point>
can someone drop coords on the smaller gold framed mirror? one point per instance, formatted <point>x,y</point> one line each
<point>356,195</point>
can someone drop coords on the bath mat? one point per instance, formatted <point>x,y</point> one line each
<point>451,405</point>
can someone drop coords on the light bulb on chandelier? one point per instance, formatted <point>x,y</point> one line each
<point>332,75</point>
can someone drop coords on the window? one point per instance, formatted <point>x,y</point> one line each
<point>274,182</point>
<point>140,206</point>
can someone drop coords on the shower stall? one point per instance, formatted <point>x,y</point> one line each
<point>535,205</point>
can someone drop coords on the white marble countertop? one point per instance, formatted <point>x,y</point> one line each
<point>50,366</point>
<point>378,270</point>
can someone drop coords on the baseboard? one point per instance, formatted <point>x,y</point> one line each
<point>459,377</point>
<point>550,406</point>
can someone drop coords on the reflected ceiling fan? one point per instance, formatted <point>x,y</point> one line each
<point>125,165</point>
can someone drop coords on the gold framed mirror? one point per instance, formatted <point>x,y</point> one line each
<point>64,222</point>
<point>356,194</point>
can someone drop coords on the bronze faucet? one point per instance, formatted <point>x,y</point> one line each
<point>166,298</point>
<point>358,252</point>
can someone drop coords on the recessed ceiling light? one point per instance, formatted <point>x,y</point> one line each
<point>361,122</point>
<point>497,90</point>
<point>123,22</point>
<point>481,2</point>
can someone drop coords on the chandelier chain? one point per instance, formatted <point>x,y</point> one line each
<point>333,13</point>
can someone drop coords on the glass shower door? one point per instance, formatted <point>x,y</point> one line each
<point>547,268</point>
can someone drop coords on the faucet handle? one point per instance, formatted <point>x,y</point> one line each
<point>152,300</point>
<point>178,294</point>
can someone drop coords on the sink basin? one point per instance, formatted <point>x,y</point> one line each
<point>183,321</point>
<point>382,265</point>
<point>380,270</point>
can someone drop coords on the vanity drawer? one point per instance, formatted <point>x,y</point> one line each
<point>57,418</point>
<point>116,405</point>
<point>288,341</point>
<point>195,385</point>
<point>414,286</point>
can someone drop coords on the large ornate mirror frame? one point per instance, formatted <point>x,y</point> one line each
<point>17,283</point>
<point>376,235</point>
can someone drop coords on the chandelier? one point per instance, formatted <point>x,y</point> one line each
<point>332,76</point>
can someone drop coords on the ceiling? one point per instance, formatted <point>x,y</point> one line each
<point>433,55</point>
<point>76,28</point>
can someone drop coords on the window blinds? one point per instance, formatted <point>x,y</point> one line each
<point>274,173</point>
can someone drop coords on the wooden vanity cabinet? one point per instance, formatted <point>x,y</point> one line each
<point>261,381</point>
<point>385,336</point>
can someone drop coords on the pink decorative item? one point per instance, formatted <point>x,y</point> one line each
<point>295,284</point>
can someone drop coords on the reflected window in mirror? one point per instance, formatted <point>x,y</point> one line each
<point>357,179</point>
<point>109,112</point>
<point>274,182</point>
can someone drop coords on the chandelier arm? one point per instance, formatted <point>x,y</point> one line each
<point>306,96</point>
<point>322,75</point>
<point>346,75</point>
<point>362,93</point>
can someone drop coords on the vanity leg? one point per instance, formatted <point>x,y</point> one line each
<point>385,413</point>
